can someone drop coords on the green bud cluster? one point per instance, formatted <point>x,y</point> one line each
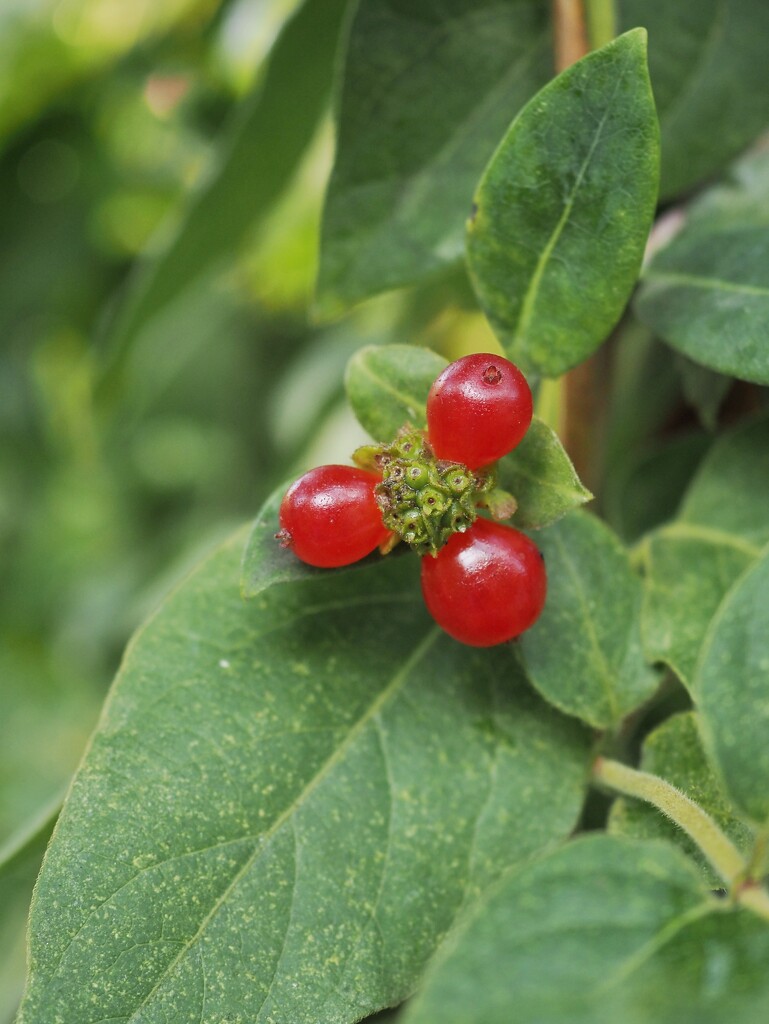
<point>424,500</point>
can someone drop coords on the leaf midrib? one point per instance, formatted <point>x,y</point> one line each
<point>532,292</point>
<point>357,728</point>
<point>671,277</point>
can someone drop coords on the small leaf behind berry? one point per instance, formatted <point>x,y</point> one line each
<point>541,477</point>
<point>564,209</point>
<point>584,654</point>
<point>387,386</point>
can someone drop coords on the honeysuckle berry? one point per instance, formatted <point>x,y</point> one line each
<point>330,517</point>
<point>478,410</point>
<point>485,586</point>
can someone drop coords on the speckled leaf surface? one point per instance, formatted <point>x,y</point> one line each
<point>706,59</point>
<point>285,805</point>
<point>674,751</point>
<point>387,386</point>
<point>706,293</point>
<point>690,563</point>
<point>601,931</point>
<point>427,92</point>
<point>553,276</point>
<point>731,689</point>
<point>708,297</point>
<point>584,654</point>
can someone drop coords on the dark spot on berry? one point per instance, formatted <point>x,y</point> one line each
<point>492,374</point>
<point>473,212</point>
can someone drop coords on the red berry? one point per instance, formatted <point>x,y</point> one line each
<point>485,586</point>
<point>329,516</point>
<point>478,410</point>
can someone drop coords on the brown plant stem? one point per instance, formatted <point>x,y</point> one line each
<point>584,389</point>
<point>570,32</point>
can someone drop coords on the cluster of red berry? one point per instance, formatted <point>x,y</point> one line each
<point>483,582</point>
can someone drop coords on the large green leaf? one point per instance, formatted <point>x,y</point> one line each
<point>688,571</point>
<point>602,931</point>
<point>706,59</point>
<point>674,752</point>
<point>260,151</point>
<point>20,861</point>
<point>730,688</point>
<point>706,293</point>
<point>427,92</point>
<point>584,654</point>
<point>286,804</point>
<point>564,208</point>
<point>720,528</point>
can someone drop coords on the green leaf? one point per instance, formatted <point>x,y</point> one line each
<point>286,804</point>
<point>646,488</point>
<point>540,475</point>
<point>601,931</point>
<point>426,94</point>
<point>387,386</point>
<point>730,691</point>
<point>674,752</point>
<point>706,293</point>
<point>261,149</point>
<point>688,570</point>
<point>584,654</point>
<point>690,563</point>
<point>20,861</point>
<point>553,276</point>
<point>706,60</point>
<point>730,491</point>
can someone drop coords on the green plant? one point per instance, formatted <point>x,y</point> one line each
<point>303,801</point>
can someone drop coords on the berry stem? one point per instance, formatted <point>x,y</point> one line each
<point>718,848</point>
